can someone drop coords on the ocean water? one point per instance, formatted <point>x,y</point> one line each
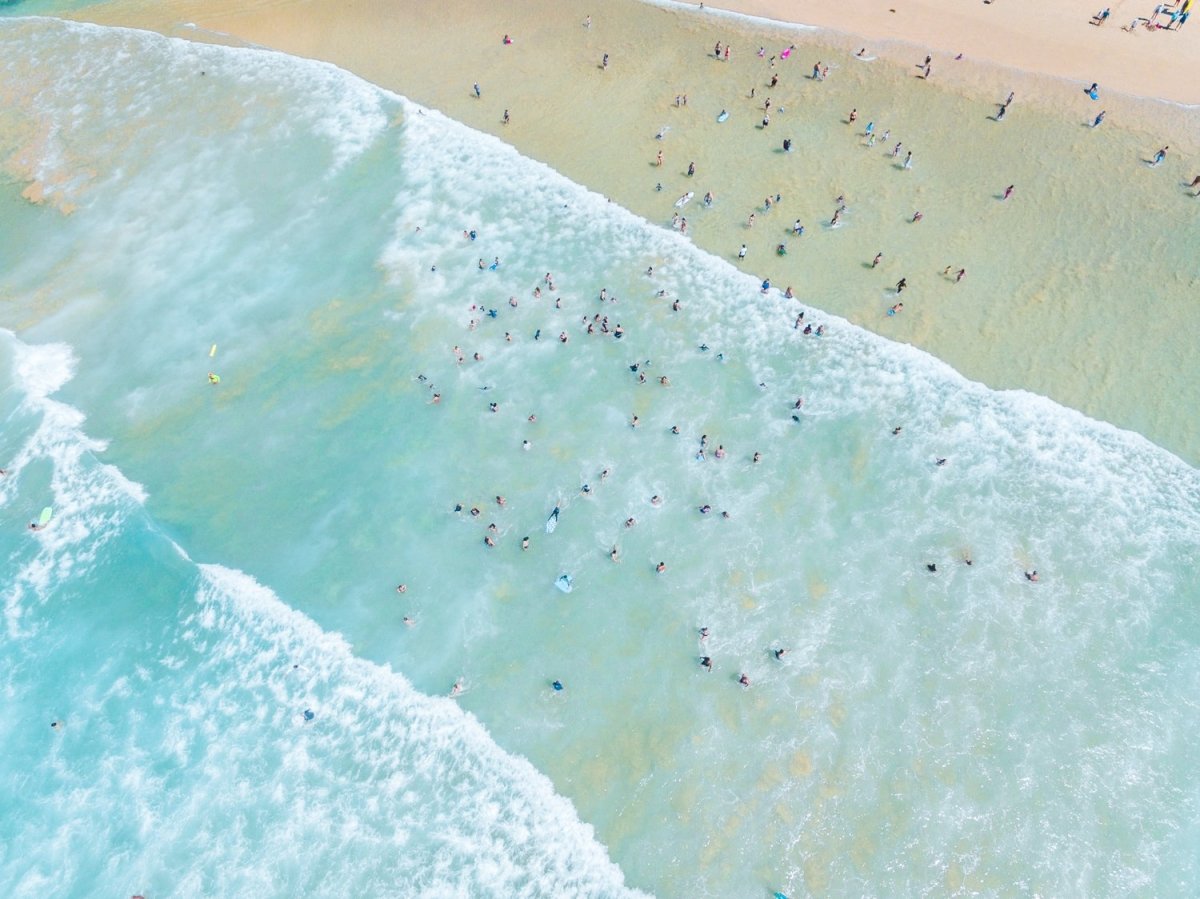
<point>224,557</point>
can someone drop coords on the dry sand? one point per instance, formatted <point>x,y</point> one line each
<point>1052,39</point>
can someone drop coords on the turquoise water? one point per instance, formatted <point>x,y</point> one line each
<point>950,731</point>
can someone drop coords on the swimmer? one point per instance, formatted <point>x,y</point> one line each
<point>705,509</point>
<point>456,689</point>
<point>524,543</point>
<point>614,555</point>
<point>1031,576</point>
<point>703,634</point>
<point>557,685</point>
<point>939,461</point>
<point>674,429</point>
<point>744,680</point>
<point>931,567</point>
<point>896,431</point>
<point>525,444</point>
<point>664,381</point>
<point>488,541</point>
<point>706,663</point>
<point>630,521</point>
<point>780,653</point>
<point>475,513</point>
<point>633,422</point>
<point>660,567</point>
<point>402,588</point>
<point>757,457</point>
<point>656,500</point>
<point>408,622</point>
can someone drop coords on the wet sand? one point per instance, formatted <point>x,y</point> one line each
<point>1056,299</point>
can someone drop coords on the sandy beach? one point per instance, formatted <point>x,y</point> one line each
<point>1028,324</point>
<point>1062,41</point>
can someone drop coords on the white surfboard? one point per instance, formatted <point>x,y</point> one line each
<point>685,199</point>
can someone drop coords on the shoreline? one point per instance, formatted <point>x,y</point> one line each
<point>596,128</point>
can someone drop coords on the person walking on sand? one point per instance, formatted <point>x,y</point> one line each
<point>1008,191</point>
<point>478,93</point>
<point>959,275</point>
<point>742,252</point>
<point>908,160</point>
<point>1099,118</point>
<point>1160,156</point>
<point>878,258</point>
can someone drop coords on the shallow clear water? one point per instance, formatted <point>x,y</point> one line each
<point>963,730</point>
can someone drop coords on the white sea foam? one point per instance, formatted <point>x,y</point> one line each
<point>213,780</point>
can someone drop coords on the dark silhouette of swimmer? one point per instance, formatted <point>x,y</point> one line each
<point>931,567</point>
<point>706,663</point>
